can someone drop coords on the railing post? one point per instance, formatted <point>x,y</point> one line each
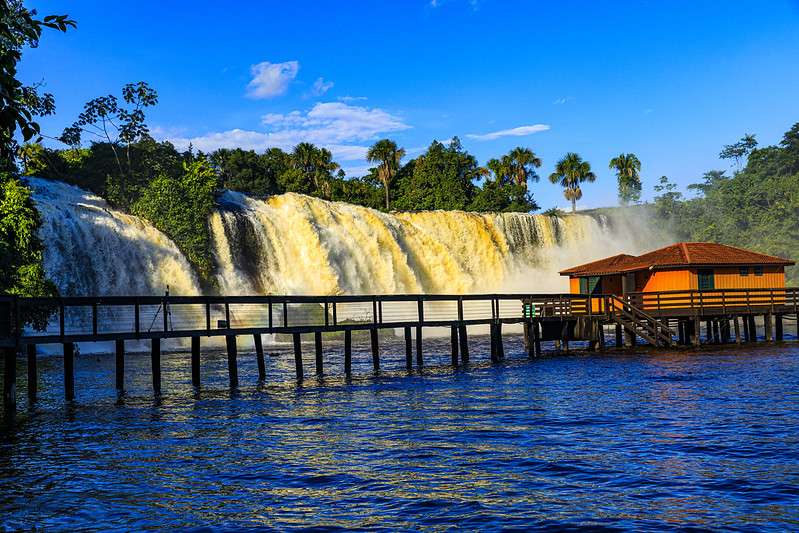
<point>208,316</point>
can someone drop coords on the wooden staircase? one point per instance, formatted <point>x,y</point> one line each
<point>638,323</point>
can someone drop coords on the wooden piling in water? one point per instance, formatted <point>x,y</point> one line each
<point>681,333</point>
<point>696,326</point>
<point>752,328</point>
<point>716,331</point>
<point>155,364</point>
<point>778,327</point>
<point>500,345</point>
<point>453,335</point>
<point>463,340</point>
<point>195,361</point>
<point>747,333</point>
<point>408,349</point>
<point>69,371</point>
<point>537,338</point>
<point>419,356</point>
<point>619,341</point>
<point>492,333</point>
<point>768,326</point>
<point>259,356</point>
<point>33,375</point>
<point>119,365</point>
<point>232,360</point>
<point>9,380</point>
<point>317,341</point>
<point>375,343</point>
<point>298,356</point>
<point>736,329</point>
<point>348,352</point>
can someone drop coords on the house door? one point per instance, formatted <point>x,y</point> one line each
<point>705,280</point>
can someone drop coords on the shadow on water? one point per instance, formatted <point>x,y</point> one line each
<point>701,439</point>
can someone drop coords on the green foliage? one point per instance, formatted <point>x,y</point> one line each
<point>570,172</point>
<point>740,149</point>
<point>314,171</point>
<point>554,212</point>
<point>756,208</point>
<point>628,172</point>
<point>248,172</point>
<point>21,261</point>
<point>180,208</point>
<point>441,178</point>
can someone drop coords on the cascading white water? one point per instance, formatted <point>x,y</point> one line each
<point>92,249</point>
<point>294,244</point>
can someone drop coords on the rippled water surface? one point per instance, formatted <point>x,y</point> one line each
<point>706,439</point>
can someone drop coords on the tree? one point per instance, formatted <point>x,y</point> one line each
<point>570,172</point>
<point>388,156</point>
<point>180,208</point>
<point>440,178</point>
<point>521,164</point>
<point>668,199</point>
<point>628,169</point>
<point>19,103</point>
<point>249,172</point>
<point>740,149</point>
<point>109,122</point>
<point>315,168</point>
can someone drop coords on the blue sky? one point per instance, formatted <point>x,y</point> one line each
<point>670,81</point>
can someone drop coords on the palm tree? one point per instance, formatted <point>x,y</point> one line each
<point>628,169</point>
<point>570,172</point>
<point>316,165</point>
<point>521,163</point>
<point>388,156</point>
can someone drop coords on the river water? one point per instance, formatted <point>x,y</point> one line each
<point>620,441</point>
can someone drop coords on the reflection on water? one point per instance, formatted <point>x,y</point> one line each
<point>634,441</point>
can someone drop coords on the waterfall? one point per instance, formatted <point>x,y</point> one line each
<point>92,249</point>
<point>295,244</point>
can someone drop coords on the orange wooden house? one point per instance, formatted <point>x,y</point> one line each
<point>684,266</point>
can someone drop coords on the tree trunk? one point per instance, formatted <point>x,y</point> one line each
<point>574,205</point>
<point>385,188</point>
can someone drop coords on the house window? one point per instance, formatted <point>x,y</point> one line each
<point>744,271</point>
<point>758,271</point>
<point>706,280</point>
<point>590,285</point>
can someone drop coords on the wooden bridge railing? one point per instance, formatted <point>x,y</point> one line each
<point>717,301</point>
<point>76,319</point>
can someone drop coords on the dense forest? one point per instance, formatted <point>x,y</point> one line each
<point>108,150</point>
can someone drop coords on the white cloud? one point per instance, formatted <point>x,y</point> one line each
<point>352,98</point>
<point>519,131</point>
<point>336,126</point>
<point>271,79</point>
<point>562,100</point>
<point>320,86</point>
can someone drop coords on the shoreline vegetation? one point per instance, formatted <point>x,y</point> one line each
<point>108,150</point>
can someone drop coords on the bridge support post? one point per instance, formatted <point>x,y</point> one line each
<point>348,352</point>
<point>752,328</point>
<point>195,361</point>
<point>259,356</point>
<point>408,349</point>
<point>500,345</point>
<point>601,334</point>
<point>537,338</point>
<point>9,380</point>
<point>778,327</point>
<point>419,357</point>
<point>232,361</point>
<point>69,371</point>
<point>619,342</point>
<point>298,356</point>
<point>747,332</point>
<point>375,349</point>
<point>768,320</point>
<point>725,330</point>
<point>33,374</point>
<point>696,325</point>
<point>463,339</point>
<point>681,332</point>
<point>454,342</point>
<point>492,329</point>
<point>119,365</point>
<point>737,329</point>
<point>716,332</point>
<point>317,340</point>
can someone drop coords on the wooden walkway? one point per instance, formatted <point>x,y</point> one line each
<point>545,317</point>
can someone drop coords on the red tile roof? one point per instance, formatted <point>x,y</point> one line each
<point>676,255</point>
